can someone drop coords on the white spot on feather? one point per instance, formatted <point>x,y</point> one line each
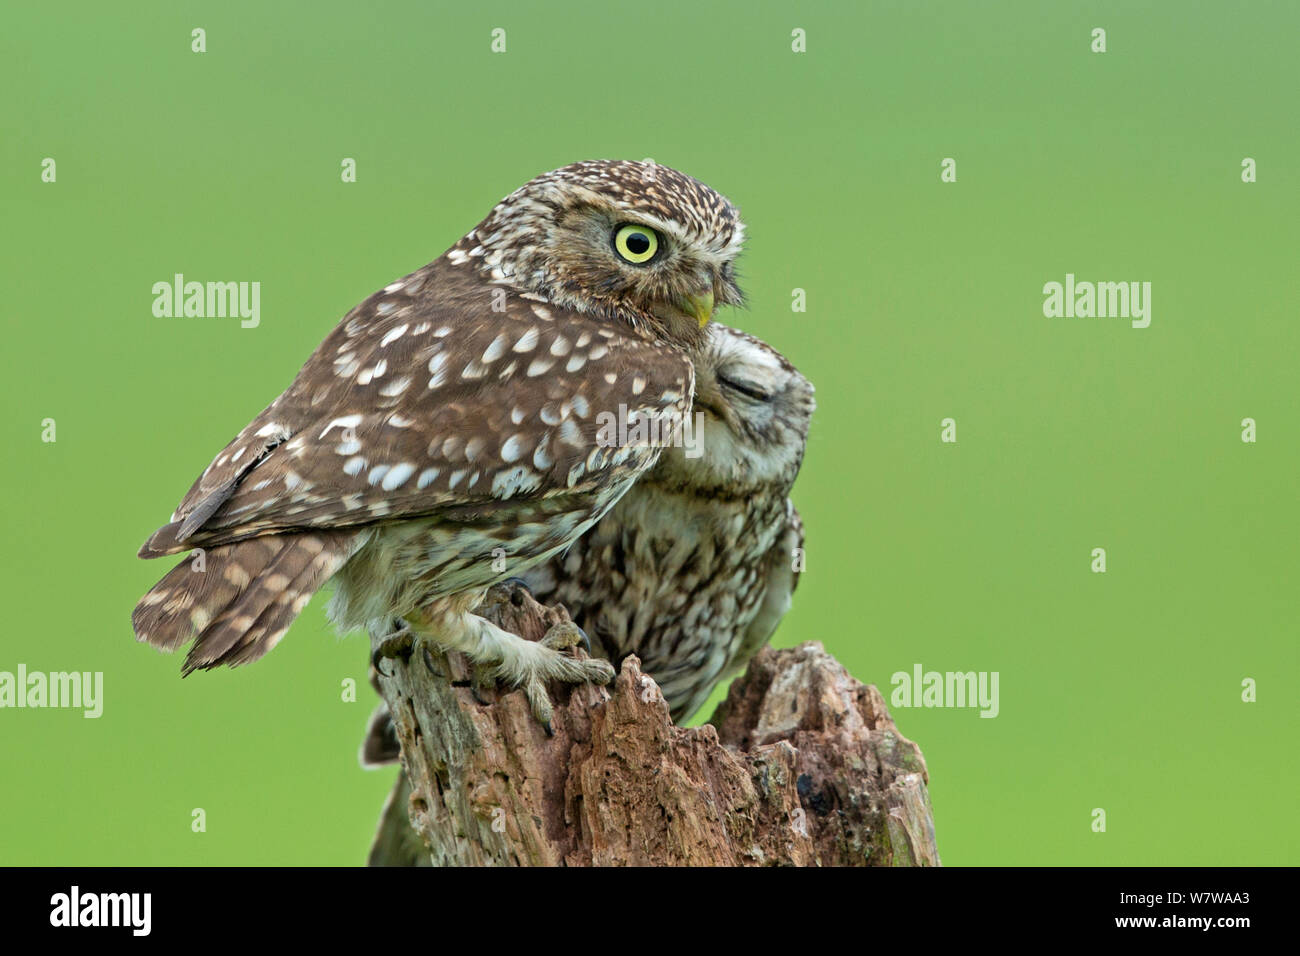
<point>397,476</point>
<point>496,349</point>
<point>513,448</point>
<point>527,342</point>
<point>347,421</point>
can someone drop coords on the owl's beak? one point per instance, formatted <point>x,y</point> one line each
<point>698,305</point>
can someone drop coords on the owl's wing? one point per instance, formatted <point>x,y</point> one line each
<point>781,581</point>
<point>439,395</point>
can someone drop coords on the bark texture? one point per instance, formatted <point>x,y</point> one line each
<point>801,765</point>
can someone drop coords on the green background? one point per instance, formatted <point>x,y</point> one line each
<point>1119,690</point>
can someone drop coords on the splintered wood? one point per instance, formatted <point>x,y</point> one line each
<point>801,766</point>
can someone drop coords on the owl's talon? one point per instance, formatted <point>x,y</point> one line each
<point>510,590</point>
<point>400,644</point>
<point>552,664</point>
<point>482,679</point>
<point>566,634</point>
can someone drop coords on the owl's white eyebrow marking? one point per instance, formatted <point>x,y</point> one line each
<point>393,335</point>
<point>347,421</point>
<point>496,349</point>
<point>527,342</point>
<point>539,366</point>
<point>397,475</point>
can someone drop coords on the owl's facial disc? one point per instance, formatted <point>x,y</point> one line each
<point>634,242</point>
<point>755,408</point>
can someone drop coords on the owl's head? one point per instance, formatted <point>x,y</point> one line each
<point>626,241</point>
<point>752,411</point>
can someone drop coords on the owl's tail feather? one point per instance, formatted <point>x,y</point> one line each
<point>237,600</point>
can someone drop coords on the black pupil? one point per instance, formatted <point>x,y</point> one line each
<point>638,243</point>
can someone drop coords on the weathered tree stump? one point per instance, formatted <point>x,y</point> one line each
<point>802,765</point>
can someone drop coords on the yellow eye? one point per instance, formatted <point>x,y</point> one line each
<point>636,244</point>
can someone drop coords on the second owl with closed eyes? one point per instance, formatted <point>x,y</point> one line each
<point>452,417</point>
<point>693,568</point>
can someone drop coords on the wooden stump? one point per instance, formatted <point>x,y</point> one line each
<point>802,766</point>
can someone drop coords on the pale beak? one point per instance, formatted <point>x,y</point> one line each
<point>699,306</point>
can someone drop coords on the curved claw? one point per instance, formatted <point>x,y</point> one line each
<point>398,644</point>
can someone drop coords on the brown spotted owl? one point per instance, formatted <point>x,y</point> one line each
<point>693,568</point>
<point>443,436</point>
